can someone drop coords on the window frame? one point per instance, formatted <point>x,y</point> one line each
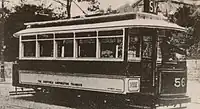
<point>135,59</point>
<point>59,39</point>
<point>77,47</point>
<point>54,39</point>
<point>119,36</point>
<point>151,45</point>
<point>38,45</point>
<point>21,45</point>
<point>113,36</point>
<point>23,48</point>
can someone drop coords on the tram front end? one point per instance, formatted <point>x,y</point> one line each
<point>172,84</point>
<point>171,71</point>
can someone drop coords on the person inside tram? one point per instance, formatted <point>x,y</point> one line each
<point>169,51</point>
<point>165,49</point>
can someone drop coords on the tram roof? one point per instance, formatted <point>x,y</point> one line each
<point>137,23</point>
<point>97,18</point>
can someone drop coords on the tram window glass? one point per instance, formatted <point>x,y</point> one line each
<point>178,41</point>
<point>29,49</point>
<point>161,34</point>
<point>133,47</point>
<point>86,34</point>
<point>46,48</point>
<point>30,37</point>
<point>171,46</point>
<point>147,47</point>
<point>86,47</point>
<point>159,54</point>
<point>110,33</point>
<point>111,47</point>
<point>64,35</point>
<point>64,48</point>
<point>45,36</point>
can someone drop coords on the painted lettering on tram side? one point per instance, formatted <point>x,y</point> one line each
<point>60,83</point>
<point>70,84</point>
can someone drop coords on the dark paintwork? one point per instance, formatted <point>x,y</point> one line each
<point>87,67</point>
<point>170,71</point>
<point>167,84</point>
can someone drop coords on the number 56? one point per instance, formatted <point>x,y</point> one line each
<point>179,82</point>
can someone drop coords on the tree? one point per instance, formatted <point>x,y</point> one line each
<point>69,3</point>
<point>183,16</point>
<point>94,6</point>
<point>15,22</point>
<point>188,16</point>
<point>111,11</point>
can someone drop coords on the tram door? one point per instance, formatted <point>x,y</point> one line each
<point>148,62</point>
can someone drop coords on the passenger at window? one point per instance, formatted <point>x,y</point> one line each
<point>111,47</point>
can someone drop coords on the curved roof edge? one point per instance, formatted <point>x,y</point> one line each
<point>142,23</point>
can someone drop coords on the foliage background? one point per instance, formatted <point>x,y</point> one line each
<point>186,15</point>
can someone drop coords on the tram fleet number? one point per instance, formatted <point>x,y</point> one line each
<point>179,82</point>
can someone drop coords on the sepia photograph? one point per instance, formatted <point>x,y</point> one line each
<point>99,54</point>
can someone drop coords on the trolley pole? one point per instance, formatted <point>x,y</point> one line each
<point>2,21</point>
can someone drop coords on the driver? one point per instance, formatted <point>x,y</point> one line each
<point>165,48</point>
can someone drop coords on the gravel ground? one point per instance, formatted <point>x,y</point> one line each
<point>194,92</point>
<point>21,101</point>
<point>45,102</point>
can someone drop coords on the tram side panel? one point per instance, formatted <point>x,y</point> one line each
<point>109,76</point>
<point>38,70</point>
<point>83,67</point>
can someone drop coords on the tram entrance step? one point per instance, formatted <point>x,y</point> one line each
<point>22,91</point>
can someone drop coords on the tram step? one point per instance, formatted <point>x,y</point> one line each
<point>139,107</point>
<point>24,92</point>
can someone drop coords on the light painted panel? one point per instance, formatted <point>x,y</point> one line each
<point>111,85</point>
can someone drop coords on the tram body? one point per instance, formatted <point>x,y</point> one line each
<point>123,55</point>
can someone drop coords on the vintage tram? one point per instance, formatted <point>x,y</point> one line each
<point>132,56</point>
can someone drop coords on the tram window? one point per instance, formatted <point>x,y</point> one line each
<point>46,48</point>
<point>147,47</point>
<point>29,49</point>
<point>64,35</point>
<point>86,47</point>
<point>86,34</point>
<point>31,37</point>
<point>110,33</point>
<point>45,36</point>
<point>159,55</point>
<point>134,47</point>
<point>64,48</point>
<point>111,47</point>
